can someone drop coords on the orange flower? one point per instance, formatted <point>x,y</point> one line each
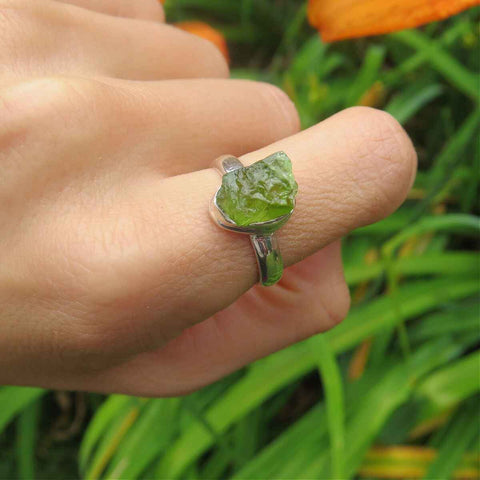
<point>340,19</point>
<point>207,32</point>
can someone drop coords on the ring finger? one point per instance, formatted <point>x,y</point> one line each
<point>345,181</point>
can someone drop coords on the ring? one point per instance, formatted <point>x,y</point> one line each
<point>257,200</point>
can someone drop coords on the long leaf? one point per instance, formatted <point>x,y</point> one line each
<point>301,451</point>
<point>270,375</point>
<point>334,399</point>
<point>460,434</point>
<point>405,105</point>
<point>110,409</point>
<point>151,433</point>
<point>453,223</point>
<point>404,461</point>
<point>14,399</point>
<point>453,383</point>
<point>26,436</point>
<point>445,263</point>
<point>442,61</point>
<point>367,75</point>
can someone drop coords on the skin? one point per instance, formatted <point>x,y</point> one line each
<point>113,277</point>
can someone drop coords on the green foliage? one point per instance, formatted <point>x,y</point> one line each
<point>455,438</point>
<point>404,367</point>
<point>27,426</point>
<point>334,400</point>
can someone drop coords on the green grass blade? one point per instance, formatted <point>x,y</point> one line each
<point>368,74</point>
<point>249,392</point>
<point>430,263</point>
<point>443,62</point>
<point>308,58</point>
<point>309,433</point>
<point>449,36</point>
<point>270,375</point>
<point>452,223</point>
<point>458,437</point>
<point>246,438</point>
<point>149,436</point>
<point>14,399</point>
<point>301,451</point>
<point>453,383</point>
<point>405,105</point>
<point>110,442</point>
<point>110,409</point>
<point>26,436</point>
<point>372,412</point>
<point>416,298</point>
<point>216,465</point>
<point>451,321</point>
<point>334,399</point>
<point>376,407</point>
<point>453,151</point>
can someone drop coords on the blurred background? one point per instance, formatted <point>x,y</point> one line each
<point>392,392</point>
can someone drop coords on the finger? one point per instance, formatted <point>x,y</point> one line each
<point>352,170</point>
<point>311,298</point>
<point>141,9</point>
<point>195,121</point>
<point>52,38</point>
<point>168,127</point>
<point>101,161</point>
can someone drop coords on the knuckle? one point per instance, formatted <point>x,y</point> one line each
<point>55,101</point>
<point>40,97</point>
<point>23,107</point>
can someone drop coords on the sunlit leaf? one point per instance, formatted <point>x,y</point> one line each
<point>14,399</point>
<point>403,461</point>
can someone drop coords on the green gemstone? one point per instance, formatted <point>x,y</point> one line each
<point>260,192</point>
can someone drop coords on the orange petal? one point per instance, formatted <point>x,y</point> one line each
<point>340,19</point>
<point>207,32</point>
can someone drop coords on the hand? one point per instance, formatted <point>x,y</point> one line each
<point>113,277</point>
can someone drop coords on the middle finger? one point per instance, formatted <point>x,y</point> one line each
<point>53,38</point>
<point>168,127</point>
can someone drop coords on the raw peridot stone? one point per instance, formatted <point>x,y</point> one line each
<point>258,193</point>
